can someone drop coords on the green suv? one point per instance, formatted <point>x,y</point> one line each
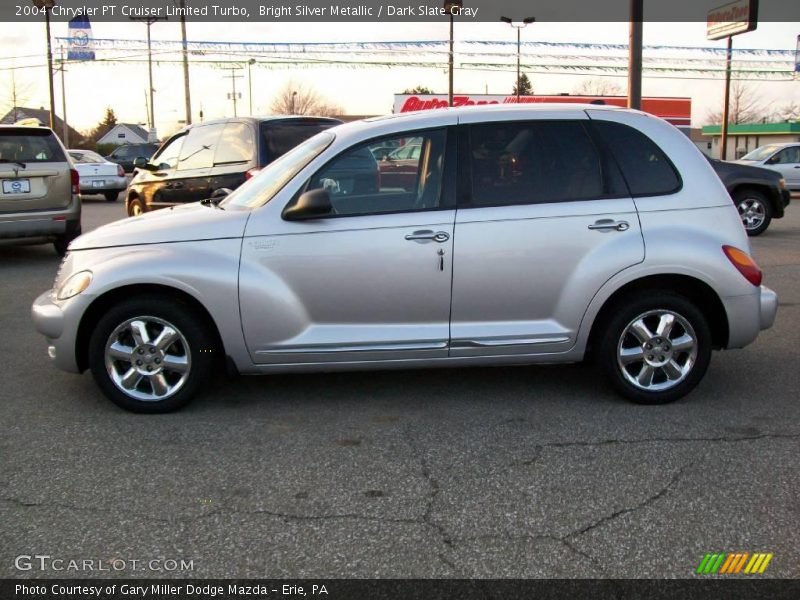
<point>39,187</point>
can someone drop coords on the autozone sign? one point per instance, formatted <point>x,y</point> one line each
<point>677,111</point>
<point>736,17</point>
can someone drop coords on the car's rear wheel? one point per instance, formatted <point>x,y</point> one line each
<point>135,207</point>
<point>151,355</point>
<point>656,347</point>
<point>754,210</point>
<point>111,196</point>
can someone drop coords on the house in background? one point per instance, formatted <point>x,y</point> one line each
<point>18,113</point>
<point>125,133</point>
<point>745,137</point>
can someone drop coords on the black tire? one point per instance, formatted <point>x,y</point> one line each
<point>197,344</point>
<point>754,209</point>
<point>136,207</point>
<point>625,314</point>
<point>61,243</point>
<point>111,196</point>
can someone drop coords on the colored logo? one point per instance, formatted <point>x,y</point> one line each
<point>732,563</point>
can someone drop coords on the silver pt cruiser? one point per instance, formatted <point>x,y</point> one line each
<point>505,235</point>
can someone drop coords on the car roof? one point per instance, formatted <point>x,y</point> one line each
<point>265,118</point>
<point>24,128</point>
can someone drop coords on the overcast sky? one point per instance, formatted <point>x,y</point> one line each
<point>93,86</point>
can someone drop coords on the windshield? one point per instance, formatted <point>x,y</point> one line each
<point>761,153</point>
<point>261,188</point>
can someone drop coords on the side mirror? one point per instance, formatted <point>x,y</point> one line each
<point>141,163</point>
<point>310,205</point>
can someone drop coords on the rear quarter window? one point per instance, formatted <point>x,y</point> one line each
<point>646,168</point>
<point>279,137</point>
<point>30,145</point>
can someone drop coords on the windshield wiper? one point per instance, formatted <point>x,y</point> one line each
<point>16,162</point>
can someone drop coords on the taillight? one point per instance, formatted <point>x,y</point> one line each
<point>251,173</point>
<point>120,171</point>
<point>744,264</point>
<point>76,181</point>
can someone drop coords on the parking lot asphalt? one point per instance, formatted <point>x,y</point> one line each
<point>492,472</point>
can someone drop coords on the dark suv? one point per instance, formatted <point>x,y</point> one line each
<point>760,195</point>
<point>126,155</point>
<point>217,155</point>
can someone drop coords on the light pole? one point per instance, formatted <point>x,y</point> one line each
<point>250,63</point>
<point>451,7</point>
<point>519,27</point>
<point>149,22</point>
<point>47,5</point>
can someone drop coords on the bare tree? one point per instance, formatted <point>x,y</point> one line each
<point>746,106</point>
<point>598,86</point>
<point>297,98</point>
<point>789,111</point>
<point>18,95</point>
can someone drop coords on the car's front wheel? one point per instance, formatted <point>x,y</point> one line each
<point>754,210</point>
<point>135,207</point>
<point>656,347</point>
<point>151,355</point>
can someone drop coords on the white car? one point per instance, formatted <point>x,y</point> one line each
<point>783,158</point>
<point>98,175</point>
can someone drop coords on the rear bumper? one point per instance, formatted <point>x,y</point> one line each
<point>748,315</point>
<point>109,184</point>
<point>41,223</point>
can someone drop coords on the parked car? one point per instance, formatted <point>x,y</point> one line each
<point>40,195</point>
<point>216,155</point>
<point>98,175</point>
<point>546,211</point>
<point>783,158</point>
<point>760,195</point>
<point>127,154</point>
<point>400,167</point>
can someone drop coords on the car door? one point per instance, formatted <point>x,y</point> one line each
<point>545,221</point>
<point>370,282</point>
<point>787,163</point>
<point>151,184</point>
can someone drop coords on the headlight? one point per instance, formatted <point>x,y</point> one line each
<point>74,285</point>
<point>782,183</point>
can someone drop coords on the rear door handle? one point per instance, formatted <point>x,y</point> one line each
<point>427,235</point>
<point>609,224</point>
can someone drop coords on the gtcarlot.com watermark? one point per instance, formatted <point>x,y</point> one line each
<point>45,562</point>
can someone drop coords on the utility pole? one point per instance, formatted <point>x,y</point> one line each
<point>65,129</point>
<point>451,6</point>
<point>185,51</point>
<point>635,54</point>
<point>149,22</point>
<point>726,106</point>
<point>250,63</point>
<point>234,95</point>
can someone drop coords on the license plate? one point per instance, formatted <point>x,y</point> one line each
<point>100,183</point>
<point>16,186</point>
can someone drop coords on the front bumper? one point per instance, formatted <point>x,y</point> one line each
<point>786,197</point>
<point>58,323</point>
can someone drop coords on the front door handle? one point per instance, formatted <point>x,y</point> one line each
<point>609,224</point>
<point>427,235</point>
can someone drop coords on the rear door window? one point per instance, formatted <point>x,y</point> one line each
<point>30,145</point>
<point>199,147</point>
<point>281,136</point>
<point>236,146</point>
<point>534,162</point>
<point>645,167</point>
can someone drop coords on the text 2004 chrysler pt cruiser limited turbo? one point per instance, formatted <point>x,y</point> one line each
<point>511,235</point>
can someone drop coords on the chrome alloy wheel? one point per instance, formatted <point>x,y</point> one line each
<point>752,212</point>
<point>136,210</point>
<point>147,358</point>
<point>657,350</point>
